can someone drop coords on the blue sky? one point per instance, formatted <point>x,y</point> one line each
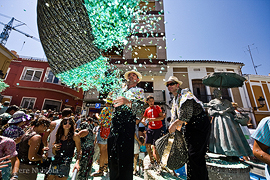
<point>219,30</point>
<point>195,29</point>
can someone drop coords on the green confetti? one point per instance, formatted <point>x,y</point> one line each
<point>112,21</point>
<point>3,85</point>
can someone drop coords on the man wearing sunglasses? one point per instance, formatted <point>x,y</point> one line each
<point>187,110</point>
<point>128,106</point>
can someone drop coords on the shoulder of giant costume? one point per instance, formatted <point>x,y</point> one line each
<point>185,91</point>
<point>187,94</point>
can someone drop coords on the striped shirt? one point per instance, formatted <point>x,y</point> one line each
<point>262,134</point>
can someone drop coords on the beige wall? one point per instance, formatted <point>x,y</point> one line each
<point>158,81</point>
<point>5,58</point>
<point>259,86</point>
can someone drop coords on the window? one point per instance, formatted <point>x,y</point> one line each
<point>32,74</point>
<point>5,77</point>
<point>144,52</point>
<point>147,6</point>
<point>50,77</point>
<point>28,103</point>
<point>199,90</point>
<point>225,94</point>
<point>146,86</point>
<point>78,109</point>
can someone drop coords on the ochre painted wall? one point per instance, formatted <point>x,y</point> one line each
<point>144,52</point>
<point>257,93</point>
<point>250,94</point>
<point>267,93</point>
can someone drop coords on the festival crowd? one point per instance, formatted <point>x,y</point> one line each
<point>117,139</point>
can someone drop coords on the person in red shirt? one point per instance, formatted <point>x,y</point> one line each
<point>152,116</point>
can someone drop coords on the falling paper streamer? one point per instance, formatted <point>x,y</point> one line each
<point>167,151</point>
<point>3,85</point>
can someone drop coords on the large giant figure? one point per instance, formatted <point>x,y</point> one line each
<point>226,136</point>
<point>121,139</point>
<point>187,110</point>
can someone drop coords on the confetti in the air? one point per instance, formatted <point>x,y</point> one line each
<point>80,35</point>
<point>3,85</point>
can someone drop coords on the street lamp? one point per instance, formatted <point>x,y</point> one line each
<point>262,103</point>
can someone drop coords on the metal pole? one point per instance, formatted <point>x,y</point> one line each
<point>252,59</point>
<point>74,174</point>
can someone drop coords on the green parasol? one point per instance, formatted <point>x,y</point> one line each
<point>223,80</point>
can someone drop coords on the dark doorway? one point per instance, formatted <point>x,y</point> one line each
<point>199,90</point>
<point>51,104</point>
<point>225,94</point>
<point>52,107</point>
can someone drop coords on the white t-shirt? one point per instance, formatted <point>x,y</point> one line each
<point>141,125</point>
<point>53,137</point>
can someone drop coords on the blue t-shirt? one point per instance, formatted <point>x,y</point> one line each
<point>262,134</point>
<point>142,148</point>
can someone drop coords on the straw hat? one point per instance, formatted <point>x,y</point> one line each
<point>17,117</point>
<point>175,79</point>
<point>135,72</point>
<point>108,100</point>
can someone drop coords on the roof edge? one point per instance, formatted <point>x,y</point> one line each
<point>205,61</point>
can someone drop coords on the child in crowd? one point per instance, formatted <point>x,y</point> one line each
<point>137,144</point>
<point>153,116</point>
<point>142,154</point>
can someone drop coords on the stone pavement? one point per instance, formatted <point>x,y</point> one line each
<point>257,168</point>
<point>94,168</point>
<point>150,174</point>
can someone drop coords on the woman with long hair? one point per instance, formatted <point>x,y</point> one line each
<point>63,149</point>
<point>30,150</point>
